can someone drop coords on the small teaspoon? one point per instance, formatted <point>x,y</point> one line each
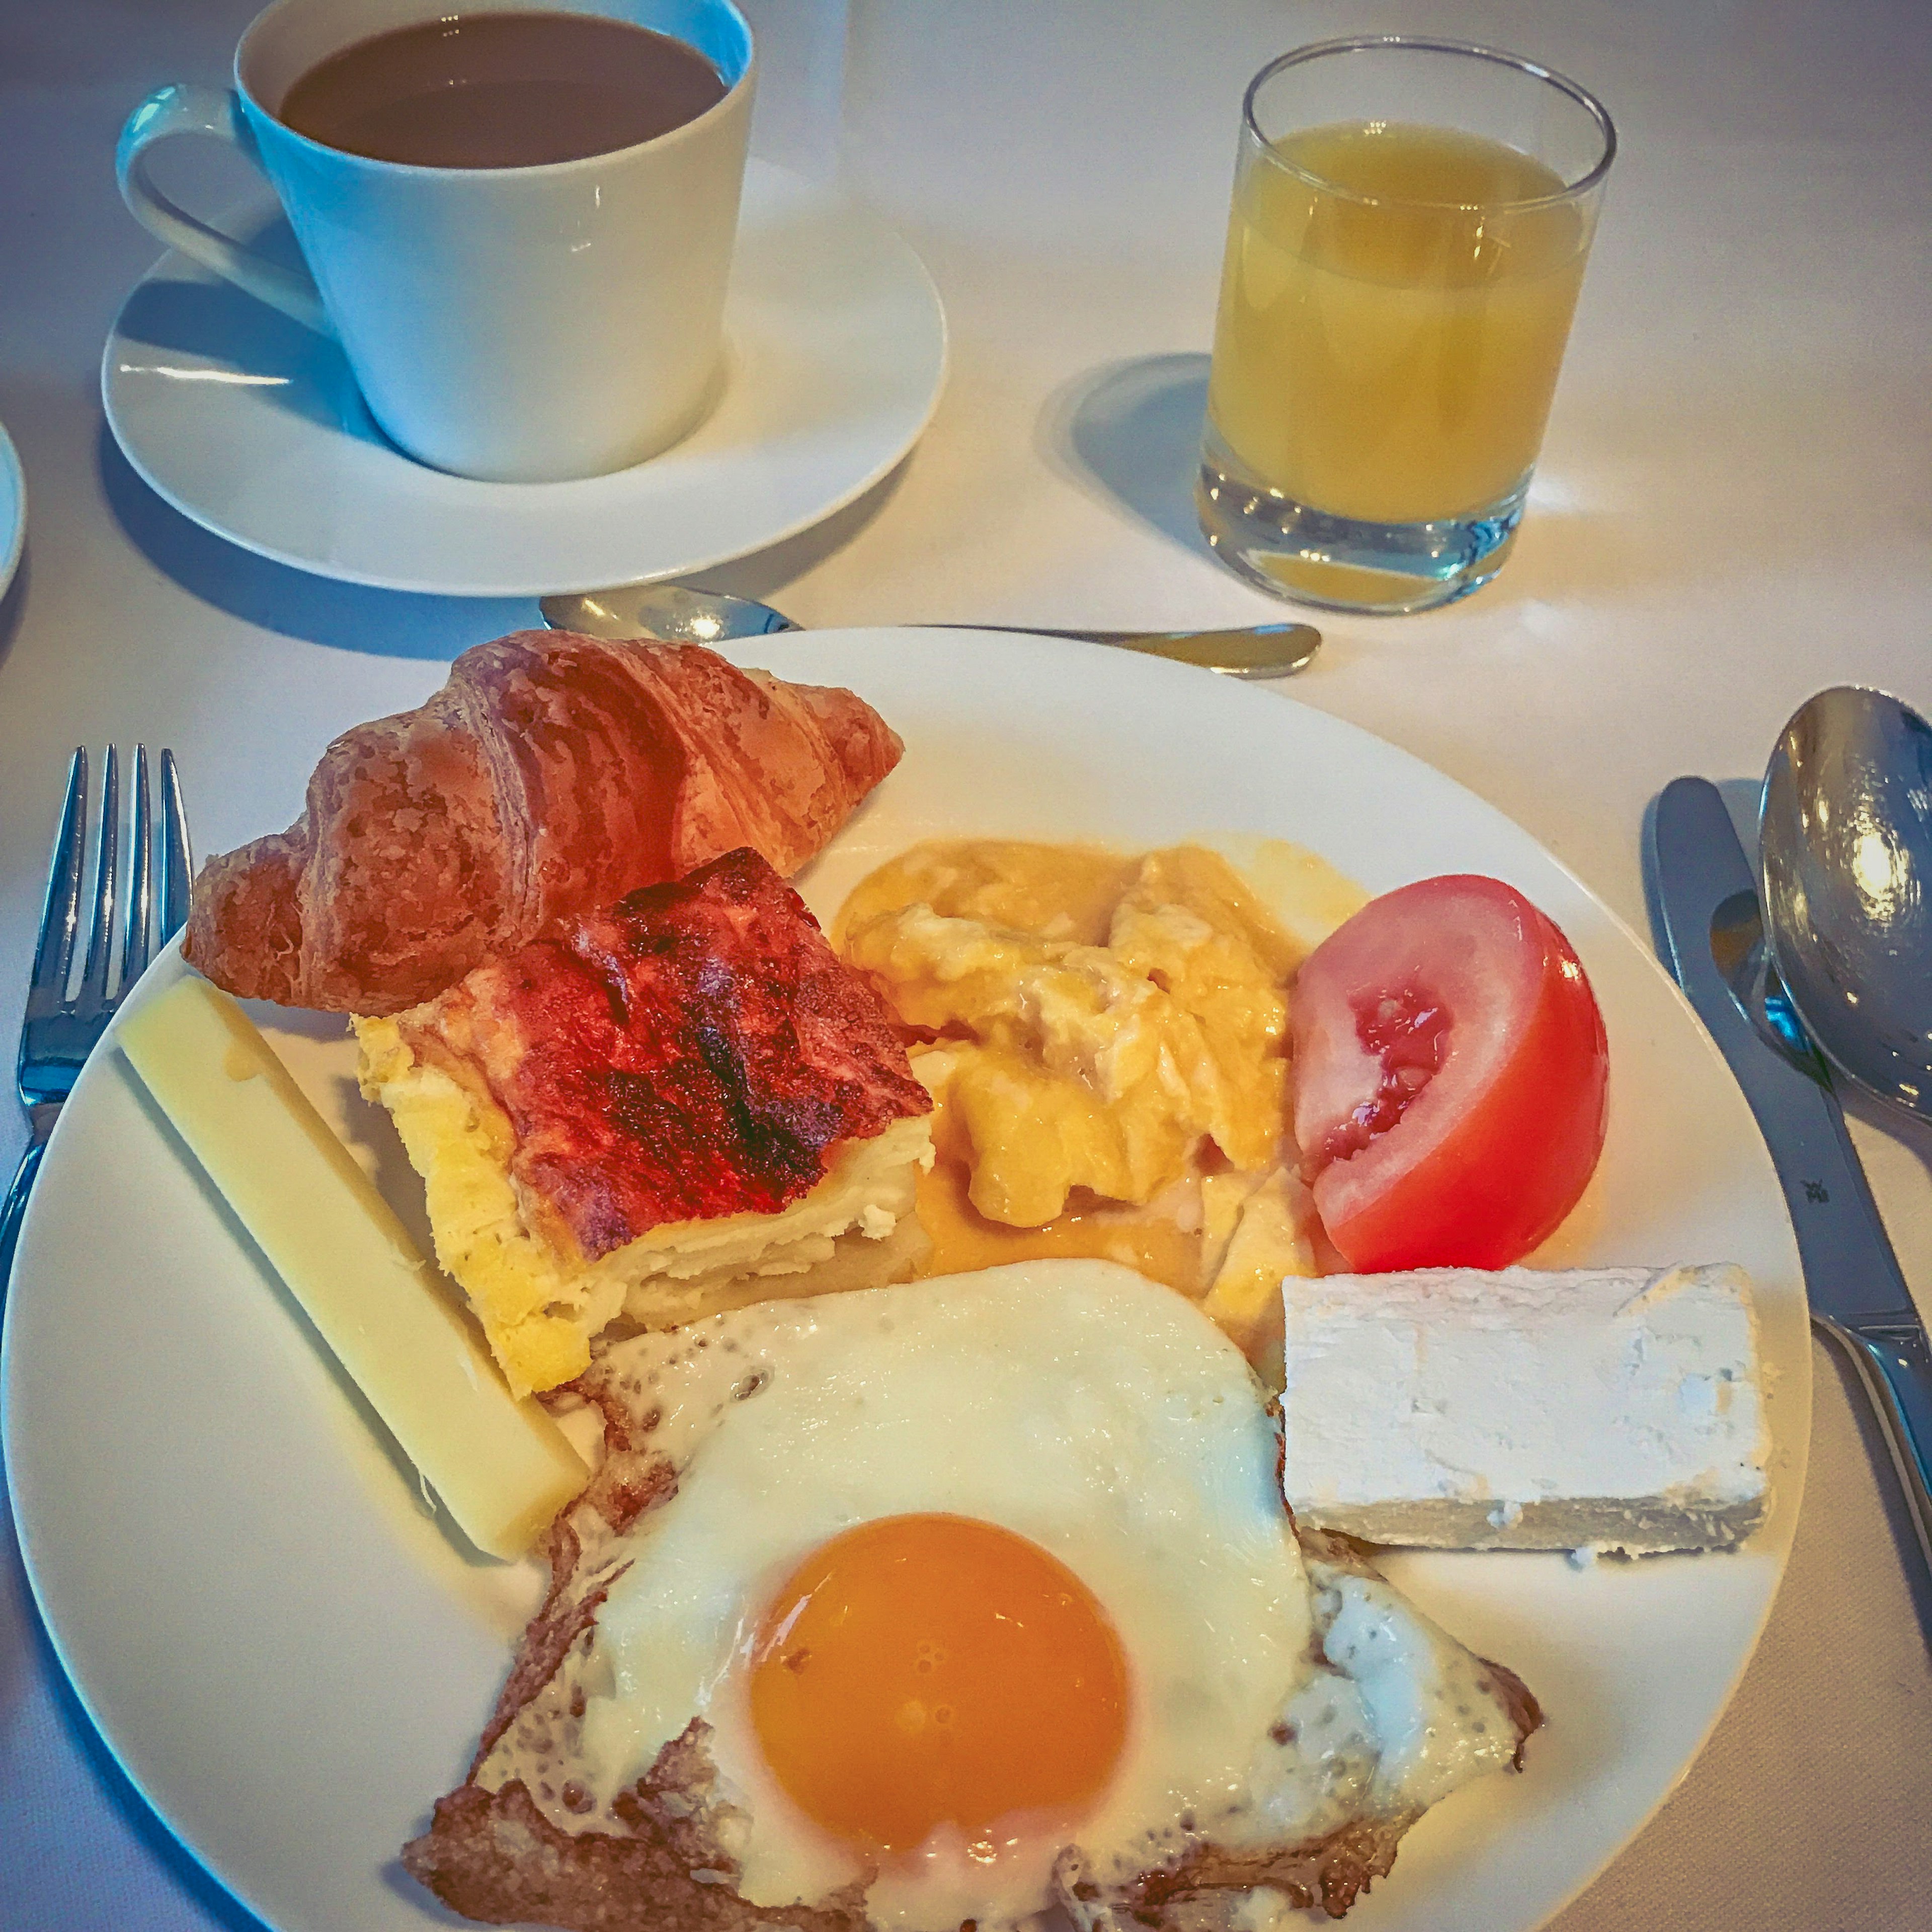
<point>673,614</point>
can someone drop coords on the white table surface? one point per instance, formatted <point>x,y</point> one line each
<point>1734,508</point>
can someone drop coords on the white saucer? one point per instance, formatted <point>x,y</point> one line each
<point>252,426</point>
<point>13,509</point>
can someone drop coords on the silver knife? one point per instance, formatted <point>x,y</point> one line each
<point>1713,924</point>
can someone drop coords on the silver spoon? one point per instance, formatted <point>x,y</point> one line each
<point>1845,852</point>
<point>1844,859</point>
<point>673,614</point>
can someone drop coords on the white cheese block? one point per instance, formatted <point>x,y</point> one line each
<point>1612,1408</point>
<point>503,1467</point>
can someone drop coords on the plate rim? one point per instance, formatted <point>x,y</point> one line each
<point>1792,1443</point>
<point>15,474</point>
<point>172,264</point>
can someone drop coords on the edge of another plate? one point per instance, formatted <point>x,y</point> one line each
<point>12,510</point>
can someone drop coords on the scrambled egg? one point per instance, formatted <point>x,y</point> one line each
<point>1104,1039</point>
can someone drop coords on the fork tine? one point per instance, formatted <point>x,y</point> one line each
<point>107,878</point>
<point>177,854</point>
<point>60,916</point>
<point>141,885</point>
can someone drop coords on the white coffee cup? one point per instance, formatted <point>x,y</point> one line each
<point>521,324</point>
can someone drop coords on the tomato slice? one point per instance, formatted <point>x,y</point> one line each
<point>1450,1077</point>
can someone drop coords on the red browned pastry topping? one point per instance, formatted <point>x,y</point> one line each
<point>705,1026</point>
<point>551,774</point>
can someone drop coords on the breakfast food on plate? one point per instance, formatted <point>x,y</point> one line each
<point>1105,1038</point>
<point>678,1105</point>
<point>945,1605</point>
<point>502,1468</point>
<point>549,775</point>
<point>1611,1409</point>
<point>1450,1071</point>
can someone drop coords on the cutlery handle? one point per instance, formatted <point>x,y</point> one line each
<point>1893,1359</point>
<point>1248,651</point>
<point>1704,882</point>
<point>1704,887</point>
<point>15,1208</point>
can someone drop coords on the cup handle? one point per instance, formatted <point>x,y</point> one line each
<point>206,110</point>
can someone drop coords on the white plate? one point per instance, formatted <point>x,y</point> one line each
<point>291,1661</point>
<point>252,425</point>
<point>12,510</point>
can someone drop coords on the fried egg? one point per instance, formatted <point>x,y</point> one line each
<point>982,1596</point>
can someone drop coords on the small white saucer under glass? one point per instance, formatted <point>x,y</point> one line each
<point>252,426</point>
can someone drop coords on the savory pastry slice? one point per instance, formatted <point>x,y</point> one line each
<point>550,774</point>
<point>683,1104</point>
<point>948,1605</point>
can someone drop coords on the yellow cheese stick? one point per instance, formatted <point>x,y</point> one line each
<point>503,1467</point>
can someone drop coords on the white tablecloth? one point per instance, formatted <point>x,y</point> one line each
<point>1731,510</point>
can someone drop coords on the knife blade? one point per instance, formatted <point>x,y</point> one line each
<point>1707,894</point>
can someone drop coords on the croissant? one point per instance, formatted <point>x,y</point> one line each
<point>550,774</point>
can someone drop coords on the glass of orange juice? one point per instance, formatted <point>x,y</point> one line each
<point>1411,217</point>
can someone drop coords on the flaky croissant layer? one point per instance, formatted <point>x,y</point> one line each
<point>550,774</point>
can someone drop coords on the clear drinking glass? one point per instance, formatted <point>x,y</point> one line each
<point>1411,221</point>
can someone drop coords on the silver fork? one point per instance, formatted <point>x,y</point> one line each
<point>59,1032</point>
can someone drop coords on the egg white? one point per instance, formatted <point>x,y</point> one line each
<point>1099,1415</point>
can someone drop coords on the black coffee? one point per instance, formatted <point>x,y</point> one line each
<point>502,91</point>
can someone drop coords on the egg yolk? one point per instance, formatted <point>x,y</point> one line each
<point>924,1670</point>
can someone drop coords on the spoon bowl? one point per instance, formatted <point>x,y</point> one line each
<point>672,613</point>
<point>1845,859</point>
<point>667,612</point>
